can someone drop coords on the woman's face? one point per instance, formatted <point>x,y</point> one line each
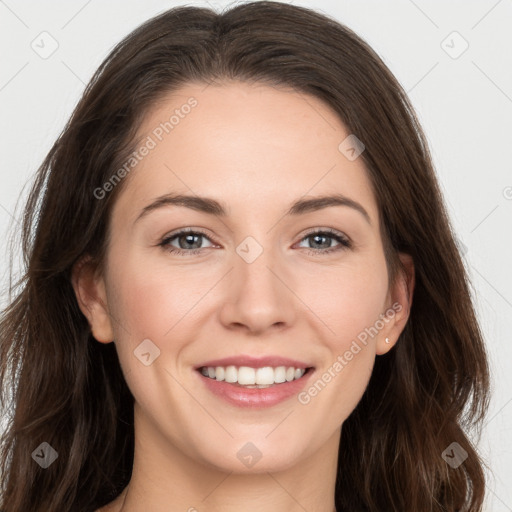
<point>257,281</point>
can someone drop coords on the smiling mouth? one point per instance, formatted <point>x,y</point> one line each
<point>260,378</point>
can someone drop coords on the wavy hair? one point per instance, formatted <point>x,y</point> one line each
<point>67,390</point>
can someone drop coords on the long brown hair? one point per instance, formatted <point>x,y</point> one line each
<point>69,391</point>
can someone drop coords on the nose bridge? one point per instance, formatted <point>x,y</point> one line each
<point>258,296</point>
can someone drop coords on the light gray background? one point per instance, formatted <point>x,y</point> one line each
<point>464,104</point>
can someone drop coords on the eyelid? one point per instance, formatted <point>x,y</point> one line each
<point>330,231</point>
<point>183,231</point>
<point>344,242</point>
<point>191,229</point>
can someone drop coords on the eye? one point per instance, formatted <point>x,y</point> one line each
<point>185,239</point>
<point>325,234</point>
<point>189,241</point>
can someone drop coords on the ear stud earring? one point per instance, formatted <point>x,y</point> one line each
<point>387,340</point>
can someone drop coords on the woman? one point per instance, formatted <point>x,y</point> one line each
<point>253,370</point>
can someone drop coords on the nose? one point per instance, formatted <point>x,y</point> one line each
<point>259,296</point>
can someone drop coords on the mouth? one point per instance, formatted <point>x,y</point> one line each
<point>254,388</point>
<point>254,378</point>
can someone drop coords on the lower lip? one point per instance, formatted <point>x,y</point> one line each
<point>256,397</point>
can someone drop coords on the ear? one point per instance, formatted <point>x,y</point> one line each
<point>399,302</point>
<point>91,295</point>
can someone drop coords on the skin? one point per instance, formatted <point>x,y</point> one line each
<point>257,149</point>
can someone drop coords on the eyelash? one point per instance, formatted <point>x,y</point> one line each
<point>344,242</point>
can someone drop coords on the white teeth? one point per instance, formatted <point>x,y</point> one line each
<point>230,374</point>
<point>219,373</point>
<point>246,375</point>
<point>253,377</point>
<point>264,375</point>
<point>280,375</point>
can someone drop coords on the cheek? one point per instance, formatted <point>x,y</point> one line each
<point>349,302</point>
<point>151,302</point>
<point>347,299</point>
<point>151,297</point>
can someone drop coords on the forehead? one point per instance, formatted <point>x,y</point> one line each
<point>253,147</point>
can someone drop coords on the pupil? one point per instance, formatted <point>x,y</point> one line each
<point>316,237</point>
<point>189,239</point>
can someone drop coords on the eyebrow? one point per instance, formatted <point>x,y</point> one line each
<point>214,207</point>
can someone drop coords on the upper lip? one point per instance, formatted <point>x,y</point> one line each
<point>255,362</point>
